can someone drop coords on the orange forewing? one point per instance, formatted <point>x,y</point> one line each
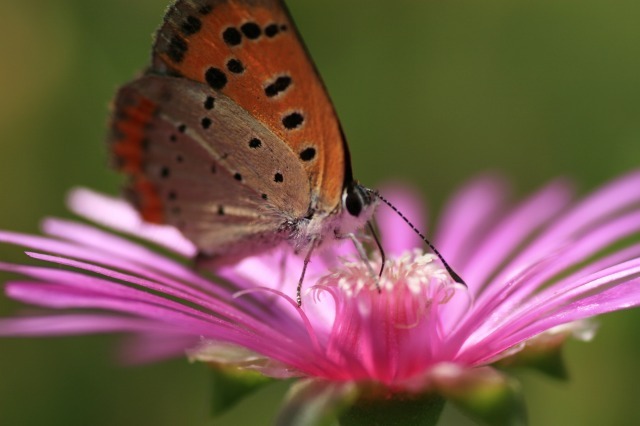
<point>192,41</point>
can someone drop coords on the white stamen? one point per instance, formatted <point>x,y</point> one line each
<point>416,271</point>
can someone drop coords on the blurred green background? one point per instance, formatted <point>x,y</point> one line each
<point>429,91</point>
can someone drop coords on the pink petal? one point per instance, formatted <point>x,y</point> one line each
<point>120,216</point>
<point>152,346</point>
<point>467,217</point>
<point>513,230</point>
<point>609,200</point>
<point>623,295</point>
<point>93,239</point>
<point>398,237</point>
<point>70,324</point>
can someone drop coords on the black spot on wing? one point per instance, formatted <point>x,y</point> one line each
<point>232,36</point>
<point>308,154</point>
<point>293,120</point>
<point>215,78</point>
<point>271,30</point>
<point>191,25</point>
<point>235,66</point>
<point>280,84</point>
<point>205,10</point>
<point>177,49</point>
<point>206,123</point>
<point>251,30</point>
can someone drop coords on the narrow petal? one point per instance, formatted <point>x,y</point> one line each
<point>94,239</point>
<point>514,229</point>
<point>119,215</point>
<point>603,204</point>
<point>467,216</point>
<point>397,236</point>
<point>623,295</point>
<point>584,247</point>
<point>71,324</point>
<point>154,345</point>
<point>109,259</point>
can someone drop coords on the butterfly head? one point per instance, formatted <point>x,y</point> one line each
<point>358,205</point>
<point>356,199</point>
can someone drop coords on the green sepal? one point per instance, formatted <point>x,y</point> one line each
<point>229,385</point>
<point>394,409</point>
<point>547,360</point>
<point>486,395</point>
<point>543,352</point>
<point>315,403</point>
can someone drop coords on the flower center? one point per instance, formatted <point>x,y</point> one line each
<point>393,333</point>
<point>413,274</point>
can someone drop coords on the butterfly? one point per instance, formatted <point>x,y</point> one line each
<point>230,136</point>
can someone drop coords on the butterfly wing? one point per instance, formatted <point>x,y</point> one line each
<point>250,51</point>
<point>202,163</point>
<point>231,89</point>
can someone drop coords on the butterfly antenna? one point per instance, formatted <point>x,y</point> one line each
<point>449,269</point>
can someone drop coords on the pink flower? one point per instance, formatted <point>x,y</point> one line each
<point>534,272</point>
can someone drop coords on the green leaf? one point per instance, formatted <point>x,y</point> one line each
<point>484,394</point>
<point>315,403</point>
<point>231,384</point>
<point>395,409</point>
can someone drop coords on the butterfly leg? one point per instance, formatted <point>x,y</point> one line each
<point>363,255</point>
<point>307,259</point>
<point>383,257</point>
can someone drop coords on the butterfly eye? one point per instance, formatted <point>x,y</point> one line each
<point>355,199</point>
